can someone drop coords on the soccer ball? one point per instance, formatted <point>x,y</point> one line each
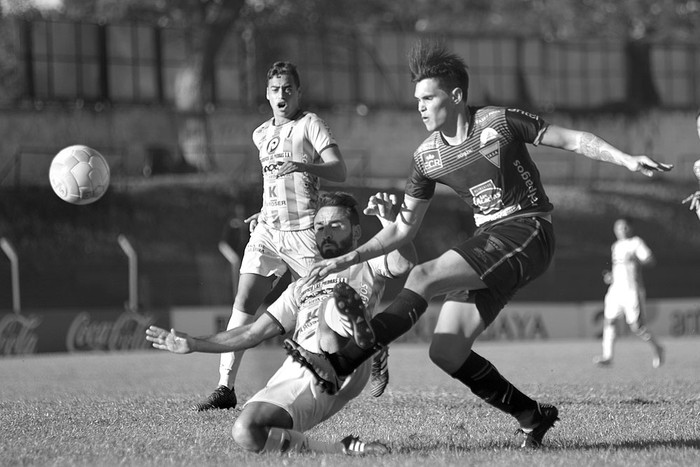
<point>79,175</point>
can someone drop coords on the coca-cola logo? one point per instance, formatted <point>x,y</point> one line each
<point>125,333</point>
<point>17,336</point>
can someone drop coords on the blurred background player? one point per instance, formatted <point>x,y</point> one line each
<point>296,150</point>
<point>275,418</point>
<point>481,154</point>
<point>626,294</point>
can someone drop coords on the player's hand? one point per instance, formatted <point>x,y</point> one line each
<point>607,277</point>
<point>173,341</point>
<point>289,167</point>
<point>252,221</point>
<point>382,205</point>
<point>694,201</point>
<point>647,166</point>
<point>321,269</point>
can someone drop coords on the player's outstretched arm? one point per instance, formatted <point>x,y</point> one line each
<point>232,340</point>
<point>594,147</point>
<point>694,201</point>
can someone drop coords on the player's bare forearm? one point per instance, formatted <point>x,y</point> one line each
<point>594,147</point>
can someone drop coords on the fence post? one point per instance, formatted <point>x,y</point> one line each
<point>133,303</point>
<point>14,264</point>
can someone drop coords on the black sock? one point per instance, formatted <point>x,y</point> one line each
<point>397,319</point>
<point>486,382</point>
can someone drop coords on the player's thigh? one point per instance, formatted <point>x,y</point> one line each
<point>299,251</point>
<point>257,414</point>
<point>458,326</point>
<point>446,273</point>
<point>252,290</point>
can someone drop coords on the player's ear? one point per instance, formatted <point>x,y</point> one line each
<point>457,95</point>
<point>356,232</point>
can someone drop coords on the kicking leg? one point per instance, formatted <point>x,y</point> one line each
<point>458,326</point>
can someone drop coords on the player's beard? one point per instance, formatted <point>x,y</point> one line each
<point>341,248</point>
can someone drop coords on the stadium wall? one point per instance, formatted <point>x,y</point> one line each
<point>376,145</point>
<point>114,330</point>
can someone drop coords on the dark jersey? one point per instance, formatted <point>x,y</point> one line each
<point>491,171</point>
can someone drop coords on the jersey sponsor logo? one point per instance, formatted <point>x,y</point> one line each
<point>273,144</point>
<point>483,116</point>
<point>526,114</point>
<point>526,176</point>
<point>431,160</point>
<point>491,146</point>
<point>487,197</point>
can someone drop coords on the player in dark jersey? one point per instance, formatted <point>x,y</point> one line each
<point>481,154</point>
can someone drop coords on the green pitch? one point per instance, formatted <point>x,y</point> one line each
<point>133,409</point>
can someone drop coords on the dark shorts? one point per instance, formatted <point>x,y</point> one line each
<point>507,256</point>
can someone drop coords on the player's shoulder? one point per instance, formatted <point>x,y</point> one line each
<point>429,144</point>
<point>262,127</point>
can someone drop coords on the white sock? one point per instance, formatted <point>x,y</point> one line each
<point>608,341</point>
<point>230,362</point>
<point>286,440</point>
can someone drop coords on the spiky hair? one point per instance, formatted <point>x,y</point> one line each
<point>429,58</point>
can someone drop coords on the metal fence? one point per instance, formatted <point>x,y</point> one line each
<point>137,64</point>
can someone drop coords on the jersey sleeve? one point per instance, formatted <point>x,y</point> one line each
<point>419,185</point>
<point>319,134</point>
<point>526,126</point>
<point>285,309</point>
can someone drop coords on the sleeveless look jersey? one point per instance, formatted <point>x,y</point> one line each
<point>491,171</point>
<point>289,202</point>
<point>298,307</point>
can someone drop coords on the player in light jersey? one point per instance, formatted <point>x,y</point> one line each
<point>481,154</point>
<point>297,150</point>
<point>626,294</point>
<point>274,419</point>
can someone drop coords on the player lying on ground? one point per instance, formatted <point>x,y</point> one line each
<point>481,154</point>
<point>275,418</point>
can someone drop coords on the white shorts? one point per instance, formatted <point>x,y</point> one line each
<point>627,302</point>
<point>293,389</point>
<point>270,251</point>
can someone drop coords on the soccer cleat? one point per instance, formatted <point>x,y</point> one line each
<point>221,398</point>
<point>600,361</point>
<point>353,311</point>
<point>548,415</point>
<point>380,372</point>
<point>352,446</point>
<point>317,364</point>
<point>659,357</point>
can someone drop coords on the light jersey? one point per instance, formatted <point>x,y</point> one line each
<point>298,307</point>
<point>491,171</point>
<point>627,257</point>
<point>289,202</point>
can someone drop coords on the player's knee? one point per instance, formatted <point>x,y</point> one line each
<point>243,436</point>
<point>444,357</point>
<point>421,279</point>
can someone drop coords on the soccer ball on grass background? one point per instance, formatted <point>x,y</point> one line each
<point>79,174</point>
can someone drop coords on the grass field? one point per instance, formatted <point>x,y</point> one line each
<point>132,409</point>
